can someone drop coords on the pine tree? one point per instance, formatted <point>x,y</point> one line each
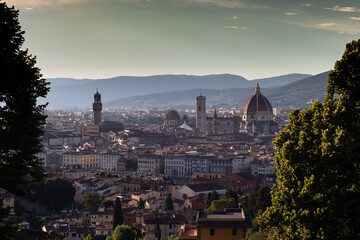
<point>21,118</point>
<point>211,197</point>
<point>317,195</point>
<point>118,216</point>
<point>232,194</point>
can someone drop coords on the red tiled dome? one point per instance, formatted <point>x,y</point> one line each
<point>257,103</point>
<point>172,115</point>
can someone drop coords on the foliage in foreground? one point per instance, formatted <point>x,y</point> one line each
<point>318,165</point>
<point>21,118</point>
<point>123,232</point>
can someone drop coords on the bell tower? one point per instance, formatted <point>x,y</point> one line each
<point>201,113</point>
<point>97,107</point>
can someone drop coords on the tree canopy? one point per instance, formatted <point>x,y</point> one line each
<point>232,194</point>
<point>55,194</point>
<point>21,119</point>
<point>92,199</point>
<point>317,195</point>
<point>220,205</point>
<point>211,197</point>
<point>123,232</point>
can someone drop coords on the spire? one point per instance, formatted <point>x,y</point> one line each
<point>215,115</point>
<point>257,89</point>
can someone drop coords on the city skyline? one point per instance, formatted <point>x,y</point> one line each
<point>254,39</point>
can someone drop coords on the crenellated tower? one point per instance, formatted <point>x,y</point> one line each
<point>97,107</point>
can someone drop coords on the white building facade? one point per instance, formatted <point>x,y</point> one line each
<point>109,161</point>
<point>149,164</point>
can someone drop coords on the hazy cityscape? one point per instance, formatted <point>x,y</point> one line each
<point>179,137</point>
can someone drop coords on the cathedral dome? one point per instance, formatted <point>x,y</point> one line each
<point>257,104</point>
<point>172,116</point>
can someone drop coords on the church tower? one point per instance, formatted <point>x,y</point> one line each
<point>215,124</point>
<point>97,107</point>
<point>201,113</point>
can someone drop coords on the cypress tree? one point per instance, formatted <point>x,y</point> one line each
<point>169,205</point>
<point>118,216</point>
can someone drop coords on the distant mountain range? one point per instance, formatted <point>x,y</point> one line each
<point>296,94</point>
<point>160,90</point>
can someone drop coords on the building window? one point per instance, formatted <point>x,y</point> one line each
<point>212,232</point>
<point>234,232</point>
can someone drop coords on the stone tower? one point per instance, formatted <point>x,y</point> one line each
<point>228,177</point>
<point>215,124</point>
<point>237,122</point>
<point>97,107</point>
<point>201,113</point>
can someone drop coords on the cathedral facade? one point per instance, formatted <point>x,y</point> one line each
<point>258,114</point>
<point>257,117</point>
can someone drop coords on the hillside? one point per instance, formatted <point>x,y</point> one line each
<point>67,92</point>
<point>295,94</point>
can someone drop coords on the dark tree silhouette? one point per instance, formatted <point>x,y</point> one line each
<point>21,118</point>
<point>118,216</point>
<point>169,205</point>
<point>232,194</point>
<point>141,204</point>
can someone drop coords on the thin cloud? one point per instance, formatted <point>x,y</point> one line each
<point>355,18</point>
<point>38,3</point>
<point>349,33</point>
<point>225,3</point>
<point>306,5</point>
<point>230,4</point>
<point>236,27</point>
<point>326,24</point>
<point>343,9</point>
<point>291,14</point>
<point>231,27</point>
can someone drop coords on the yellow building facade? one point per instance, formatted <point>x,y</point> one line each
<point>230,224</point>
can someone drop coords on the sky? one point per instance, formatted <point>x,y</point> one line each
<point>252,38</point>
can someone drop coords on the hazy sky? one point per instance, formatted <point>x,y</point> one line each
<point>251,38</point>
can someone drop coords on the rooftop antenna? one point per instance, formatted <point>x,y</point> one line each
<point>200,92</point>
